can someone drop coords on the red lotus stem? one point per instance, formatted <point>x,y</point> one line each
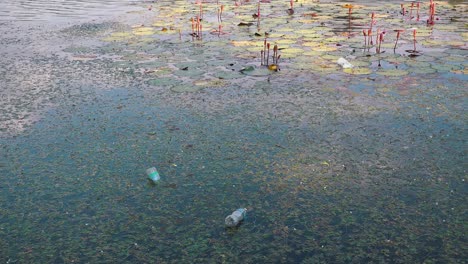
<point>377,44</point>
<point>380,40</point>
<point>414,39</point>
<point>261,57</point>
<point>268,53</point>
<point>291,3</point>
<point>201,10</point>
<point>411,10</point>
<point>396,41</point>
<point>220,13</point>
<point>369,36</point>
<point>258,10</point>
<point>193,25</point>
<point>431,13</point>
<point>264,50</point>
<point>275,53</point>
<point>417,11</point>
<point>365,37</point>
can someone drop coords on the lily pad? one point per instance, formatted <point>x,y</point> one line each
<point>392,72</point>
<point>324,48</point>
<point>257,71</point>
<point>164,81</point>
<point>143,31</point>
<point>186,88</point>
<point>357,71</point>
<point>227,74</point>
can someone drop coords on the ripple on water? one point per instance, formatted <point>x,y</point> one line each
<point>58,10</point>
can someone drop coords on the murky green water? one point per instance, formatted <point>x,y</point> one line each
<point>334,166</point>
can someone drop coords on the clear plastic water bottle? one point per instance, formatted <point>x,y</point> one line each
<point>153,174</point>
<point>236,217</point>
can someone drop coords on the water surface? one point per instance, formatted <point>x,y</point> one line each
<point>334,166</point>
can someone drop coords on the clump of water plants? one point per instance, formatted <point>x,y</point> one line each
<point>265,56</point>
<point>196,27</point>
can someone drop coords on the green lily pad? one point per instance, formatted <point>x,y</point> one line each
<point>392,72</point>
<point>186,88</point>
<point>164,81</point>
<point>423,70</point>
<point>446,67</point>
<point>285,42</point>
<point>257,71</point>
<point>190,72</point>
<point>357,71</point>
<point>143,31</point>
<point>227,74</point>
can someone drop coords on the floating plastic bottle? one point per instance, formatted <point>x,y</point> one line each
<point>236,217</point>
<point>153,174</point>
<point>344,63</point>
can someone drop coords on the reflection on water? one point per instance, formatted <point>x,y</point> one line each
<point>30,10</point>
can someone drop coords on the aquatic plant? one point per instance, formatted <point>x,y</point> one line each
<point>290,11</point>
<point>373,21</point>
<point>196,27</point>
<point>398,31</point>
<point>430,20</point>
<point>380,38</point>
<point>411,11</point>
<point>369,37</point>
<point>220,13</point>
<point>364,33</point>
<point>265,54</point>
<point>268,53</point>
<point>201,10</point>
<point>349,7</point>
<point>257,15</point>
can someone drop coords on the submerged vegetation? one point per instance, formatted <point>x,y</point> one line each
<point>363,164</point>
